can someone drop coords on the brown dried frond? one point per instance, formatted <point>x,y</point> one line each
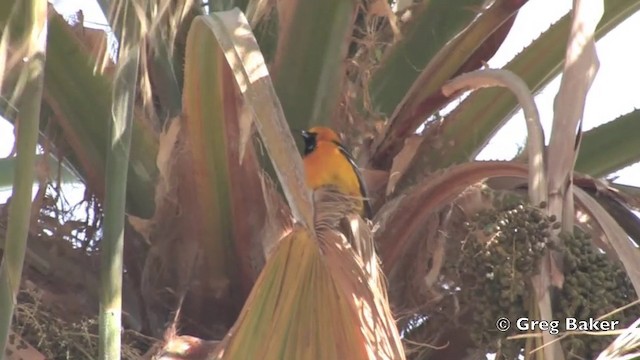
<point>331,206</point>
<point>337,214</point>
<point>60,338</point>
<point>313,292</point>
<point>172,257</point>
<point>375,29</point>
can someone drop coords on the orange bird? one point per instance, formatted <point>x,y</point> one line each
<point>328,163</point>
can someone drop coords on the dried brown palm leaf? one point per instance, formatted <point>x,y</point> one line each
<point>337,211</point>
<point>174,232</point>
<point>317,290</point>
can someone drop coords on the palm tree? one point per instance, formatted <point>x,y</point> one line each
<point>222,241</point>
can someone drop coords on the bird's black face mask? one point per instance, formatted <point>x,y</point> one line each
<point>309,141</point>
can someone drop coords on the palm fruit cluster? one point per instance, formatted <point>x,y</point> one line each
<point>499,256</point>
<point>593,286</point>
<point>497,259</point>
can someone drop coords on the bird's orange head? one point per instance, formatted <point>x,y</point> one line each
<point>318,134</point>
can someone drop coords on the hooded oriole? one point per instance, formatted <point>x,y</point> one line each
<point>328,163</point>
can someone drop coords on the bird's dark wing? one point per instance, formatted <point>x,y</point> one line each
<point>368,212</point>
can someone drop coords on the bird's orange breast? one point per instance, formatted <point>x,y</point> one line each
<point>326,165</point>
